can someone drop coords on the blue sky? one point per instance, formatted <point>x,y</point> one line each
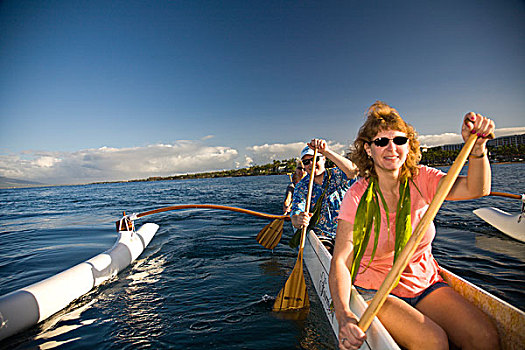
<point>116,90</point>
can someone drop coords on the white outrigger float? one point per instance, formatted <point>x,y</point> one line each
<point>509,320</point>
<point>511,225</point>
<point>28,306</point>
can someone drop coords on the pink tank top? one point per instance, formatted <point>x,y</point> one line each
<point>423,270</point>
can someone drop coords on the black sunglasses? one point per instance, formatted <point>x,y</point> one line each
<point>383,141</point>
<point>308,161</point>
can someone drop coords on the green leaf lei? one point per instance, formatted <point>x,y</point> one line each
<point>368,213</point>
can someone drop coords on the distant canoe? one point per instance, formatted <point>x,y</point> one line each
<point>28,306</point>
<point>507,223</point>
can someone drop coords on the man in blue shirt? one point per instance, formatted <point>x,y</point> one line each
<point>336,181</point>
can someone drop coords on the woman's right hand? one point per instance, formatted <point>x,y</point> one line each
<point>351,337</point>
<point>320,144</point>
<point>477,124</point>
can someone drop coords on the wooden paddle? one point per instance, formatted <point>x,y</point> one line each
<point>294,296</point>
<point>407,252</point>
<point>271,234</point>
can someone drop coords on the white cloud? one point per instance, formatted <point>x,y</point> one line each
<point>110,164</point>
<point>47,161</point>
<point>510,131</point>
<point>452,138</point>
<point>248,162</point>
<point>181,157</point>
<point>267,153</point>
<point>439,140</point>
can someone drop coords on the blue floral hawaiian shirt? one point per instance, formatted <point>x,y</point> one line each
<point>339,184</point>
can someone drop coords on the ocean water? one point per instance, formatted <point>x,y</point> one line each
<point>204,282</point>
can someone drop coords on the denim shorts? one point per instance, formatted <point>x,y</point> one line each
<point>368,294</point>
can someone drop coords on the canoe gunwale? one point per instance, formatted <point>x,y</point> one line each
<point>508,319</point>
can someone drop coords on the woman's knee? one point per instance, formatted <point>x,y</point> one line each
<point>482,338</point>
<point>434,338</point>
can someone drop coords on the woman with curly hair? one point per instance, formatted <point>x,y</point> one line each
<point>375,222</point>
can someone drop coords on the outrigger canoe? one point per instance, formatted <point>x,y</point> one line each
<point>28,306</point>
<point>509,320</point>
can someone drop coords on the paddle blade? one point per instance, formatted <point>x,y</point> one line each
<point>293,296</point>
<point>271,234</point>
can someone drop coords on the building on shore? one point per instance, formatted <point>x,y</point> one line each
<point>501,149</point>
<point>512,140</point>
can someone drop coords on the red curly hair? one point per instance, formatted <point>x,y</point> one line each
<point>382,117</point>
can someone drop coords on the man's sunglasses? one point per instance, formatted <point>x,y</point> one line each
<point>307,161</point>
<point>383,141</point>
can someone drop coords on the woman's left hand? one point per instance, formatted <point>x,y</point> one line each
<point>477,124</point>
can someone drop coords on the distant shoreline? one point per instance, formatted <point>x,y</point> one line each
<point>209,175</point>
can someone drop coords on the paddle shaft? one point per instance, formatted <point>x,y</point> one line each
<point>503,194</point>
<point>213,206</point>
<point>309,198</point>
<point>412,244</point>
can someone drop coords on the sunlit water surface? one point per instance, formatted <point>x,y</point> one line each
<point>204,282</point>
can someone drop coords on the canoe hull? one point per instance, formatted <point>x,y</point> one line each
<point>317,261</point>
<point>28,306</point>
